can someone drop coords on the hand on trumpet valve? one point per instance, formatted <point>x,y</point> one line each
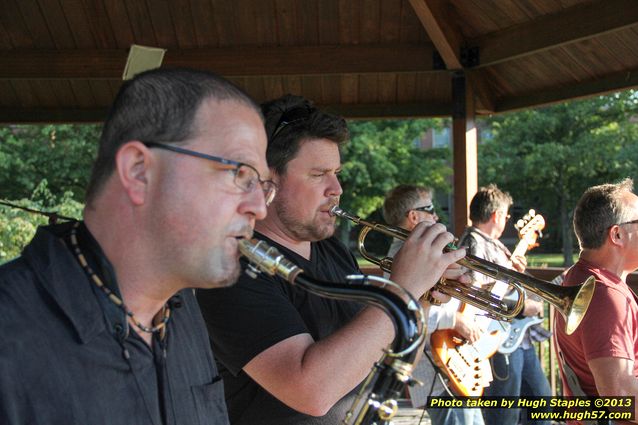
<point>421,261</point>
<point>454,272</point>
<point>458,273</point>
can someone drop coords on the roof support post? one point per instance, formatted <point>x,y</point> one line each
<point>464,148</point>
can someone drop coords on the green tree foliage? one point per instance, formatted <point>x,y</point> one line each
<point>44,168</point>
<point>17,226</point>
<point>383,154</point>
<point>547,157</point>
<point>59,154</point>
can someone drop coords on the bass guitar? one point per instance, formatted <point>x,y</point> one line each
<point>466,364</point>
<point>529,228</point>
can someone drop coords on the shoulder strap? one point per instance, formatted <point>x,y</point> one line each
<point>571,380</point>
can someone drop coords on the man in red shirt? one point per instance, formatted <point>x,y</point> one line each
<point>602,352</point>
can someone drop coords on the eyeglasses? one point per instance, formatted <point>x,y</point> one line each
<point>426,208</point>
<point>628,222</point>
<point>245,176</point>
<point>291,116</point>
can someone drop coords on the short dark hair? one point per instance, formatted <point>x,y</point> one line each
<point>291,120</point>
<point>487,201</point>
<point>598,209</point>
<point>157,105</point>
<point>400,200</point>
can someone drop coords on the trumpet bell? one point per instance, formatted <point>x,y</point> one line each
<point>581,296</point>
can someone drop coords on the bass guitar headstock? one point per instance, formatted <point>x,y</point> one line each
<point>530,228</point>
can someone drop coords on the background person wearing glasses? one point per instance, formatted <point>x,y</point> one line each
<point>289,356</point>
<point>406,206</point>
<point>98,324</point>
<point>601,356</point>
<point>518,373</point>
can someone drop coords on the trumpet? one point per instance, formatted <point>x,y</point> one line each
<point>571,301</point>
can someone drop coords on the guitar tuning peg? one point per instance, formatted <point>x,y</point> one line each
<point>519,224</point>
<point>532,213</point>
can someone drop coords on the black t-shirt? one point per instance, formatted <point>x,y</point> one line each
<point>66,357</point>
<point>255,314</point>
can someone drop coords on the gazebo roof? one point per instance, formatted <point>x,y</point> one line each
<point>63,60</point>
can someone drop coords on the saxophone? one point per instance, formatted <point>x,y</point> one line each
<point>375,403</point>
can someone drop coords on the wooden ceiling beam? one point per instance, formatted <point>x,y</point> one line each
<point>388,111</point>
<point>230,62</point>
<point>611,83</point>
<point>351,111</point>
<point>486,103</point>
<point>52,115</point>
<point>442,30</point>
<point>446,36</point>
<point>568,26</point>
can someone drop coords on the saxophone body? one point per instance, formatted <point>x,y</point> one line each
<point>376,401</point>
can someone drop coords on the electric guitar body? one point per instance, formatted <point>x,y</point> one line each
<point>516,332</point>
<point>466,364</point>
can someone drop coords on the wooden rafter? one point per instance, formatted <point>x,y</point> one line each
<point>610,83</point>
<point>568,26</point>
<point>441,30</point>
<point>448,41</point>
<point>231,62</point>
<point>352,111</point>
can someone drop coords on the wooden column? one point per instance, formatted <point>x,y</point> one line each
<point>464,142</point>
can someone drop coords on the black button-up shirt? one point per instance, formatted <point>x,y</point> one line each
<point>67,355</point>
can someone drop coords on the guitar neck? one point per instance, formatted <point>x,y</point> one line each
<point>521,249</point>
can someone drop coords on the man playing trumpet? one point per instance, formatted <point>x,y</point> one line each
<point>288,356</point>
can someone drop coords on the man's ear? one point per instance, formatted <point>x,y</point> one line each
<point>493,217</point>
<point>412,218</point>
<point>614,235</point>
<point>132,162</point>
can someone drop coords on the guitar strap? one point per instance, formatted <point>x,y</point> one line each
<point>571,380</point>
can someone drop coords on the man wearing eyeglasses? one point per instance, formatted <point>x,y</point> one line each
<point>406,206</point>
<point>601,357</point>
<point>99,323</point>
<point>518,373</point>
<point>289,356</point>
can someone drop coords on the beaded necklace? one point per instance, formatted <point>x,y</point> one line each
<point>110,294</point>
